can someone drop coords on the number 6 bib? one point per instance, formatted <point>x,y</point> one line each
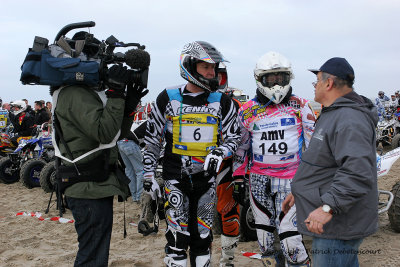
<point>194,134</point>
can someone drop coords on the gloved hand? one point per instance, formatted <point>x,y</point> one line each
<point>133,95</point>
<point>117,78</point>
<point>239,189</point>
<point>213,161</point>
<point>151,187</point>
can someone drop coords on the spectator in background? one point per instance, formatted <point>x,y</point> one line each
<point>397,95</point>
<point>21,120</point>
<point>41,115</point>
<point>6,106</point>
<point>49,105</point>
<point>380,102</point>
<point>29,108</point>
<point>393,103</point>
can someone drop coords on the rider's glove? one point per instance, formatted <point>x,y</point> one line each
<point>117,78</point>
<point>150,186</point>
<point>239,190</point>
<point>213,161</point>
<point>133,95</point>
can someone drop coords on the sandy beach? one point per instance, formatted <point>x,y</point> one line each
<point>45,241</point>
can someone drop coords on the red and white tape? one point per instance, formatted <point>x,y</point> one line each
<point>251,255</point>
<point>39,216</point>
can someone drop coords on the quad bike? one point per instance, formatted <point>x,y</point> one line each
<point>9,164</point>
<point>388,131</point>
<point>6,146</point>
<point>27,160</point>
<point>392,204</point>
<point>38,152</point>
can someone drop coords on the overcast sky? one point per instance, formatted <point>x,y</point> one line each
<point>309,32</point>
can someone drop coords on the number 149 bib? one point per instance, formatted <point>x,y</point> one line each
<point>276,145</point>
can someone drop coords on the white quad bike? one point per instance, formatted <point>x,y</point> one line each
<point>388,131</point>
<point>392,204</point>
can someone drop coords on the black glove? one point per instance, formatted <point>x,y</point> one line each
<point>151,186</point>
<point>239,190</point>
<point>147,184</point>
<point>133,95</point>
<point>213,161</point>
<point>117,78</point>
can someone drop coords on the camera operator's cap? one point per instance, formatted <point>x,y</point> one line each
<point>337,66</point>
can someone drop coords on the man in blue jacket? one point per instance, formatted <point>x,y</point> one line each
<point>335,186</point>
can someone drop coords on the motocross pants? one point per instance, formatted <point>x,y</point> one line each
<point>189,212</point>
<point>228,214</point>
<point>266,196</point>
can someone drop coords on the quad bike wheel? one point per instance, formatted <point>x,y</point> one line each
<point>47,178</point>
<point>394,210</point>
<point>30,172</point>
<point>7,174</point>
<point>396,141</point>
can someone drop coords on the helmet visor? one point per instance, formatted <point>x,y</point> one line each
<point>274,78</point>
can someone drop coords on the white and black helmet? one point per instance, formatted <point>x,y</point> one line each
<point>197,51</point>
<point>273,73</point>
<point>20,104</point>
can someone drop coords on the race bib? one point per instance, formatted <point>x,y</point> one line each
<point>277,143</point>
<point>3,121</point>
<point>194,134</point>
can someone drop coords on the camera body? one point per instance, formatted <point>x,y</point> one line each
<point>81,60</point>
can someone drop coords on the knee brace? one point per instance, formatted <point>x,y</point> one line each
<point>177,240</point>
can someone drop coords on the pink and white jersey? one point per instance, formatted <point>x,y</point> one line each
<point>273,137</point>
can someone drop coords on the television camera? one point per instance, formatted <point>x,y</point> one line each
<point>82,59</point>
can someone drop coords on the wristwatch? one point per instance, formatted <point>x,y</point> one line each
<point>326,208</point>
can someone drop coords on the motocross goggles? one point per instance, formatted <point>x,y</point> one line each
<point>271,79</point>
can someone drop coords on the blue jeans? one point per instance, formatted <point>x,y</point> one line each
<point>132,157</point>
<point>93,224</point>
<point>335,252</point>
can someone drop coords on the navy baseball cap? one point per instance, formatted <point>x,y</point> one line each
<point>337,66</point>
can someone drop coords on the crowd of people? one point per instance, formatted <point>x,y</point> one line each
<point>305,176</point>
<point>386,106</point>
<point>23,119</point>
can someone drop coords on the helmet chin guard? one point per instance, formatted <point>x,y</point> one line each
<point>273,74</point>
<point>192,54</point>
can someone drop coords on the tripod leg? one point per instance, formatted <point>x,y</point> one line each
<point>48,205</point>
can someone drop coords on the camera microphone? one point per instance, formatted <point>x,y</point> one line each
<point>137,59</point>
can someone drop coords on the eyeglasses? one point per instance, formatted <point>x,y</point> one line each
<point>316,82</point>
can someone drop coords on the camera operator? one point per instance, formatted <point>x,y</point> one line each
<point>91,120</point>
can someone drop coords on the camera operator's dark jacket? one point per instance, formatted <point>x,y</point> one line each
<point>339,169</point>
<point>25,128</point>
<point>85,124</point>
<point>41,116</point>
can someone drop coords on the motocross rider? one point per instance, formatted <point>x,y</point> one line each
<point>274,126</point>
<point>21,120</point>
<point>200,129</point>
